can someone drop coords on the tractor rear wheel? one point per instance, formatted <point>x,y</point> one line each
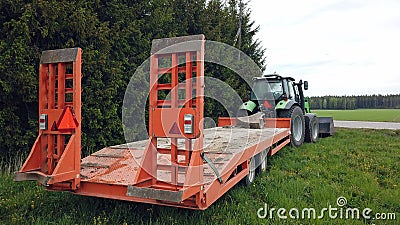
<point>312,128</point>
<point>297,124</point>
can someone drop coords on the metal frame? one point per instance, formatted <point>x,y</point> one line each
<point>166,120</point>
<point>55,157</point>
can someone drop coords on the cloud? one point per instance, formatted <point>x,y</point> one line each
<point>340,46</point>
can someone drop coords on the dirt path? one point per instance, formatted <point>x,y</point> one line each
<point>364,124</point>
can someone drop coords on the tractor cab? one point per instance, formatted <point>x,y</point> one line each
<point>274,92</point>
<point>274,87</point>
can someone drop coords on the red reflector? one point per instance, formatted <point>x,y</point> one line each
<point>188,122</point>
<point>174,129</point>
<point>67,121</point>
<point>42,120</point>
<point>267,105</point>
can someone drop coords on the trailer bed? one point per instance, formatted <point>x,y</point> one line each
<point>118,165</point>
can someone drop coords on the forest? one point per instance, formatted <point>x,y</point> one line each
<point>356,102</point>
<point>116,38</point>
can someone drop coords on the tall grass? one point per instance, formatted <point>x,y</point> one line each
<point>11,165</point>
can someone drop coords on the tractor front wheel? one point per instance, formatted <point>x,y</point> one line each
<point>297,124</point>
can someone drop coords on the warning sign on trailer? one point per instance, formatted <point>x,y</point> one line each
<point>174,129</point>
<point>68,121</point>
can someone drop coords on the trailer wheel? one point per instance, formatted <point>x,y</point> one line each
<point>249,179</point>
<point>312,128</point>
<point>297,124</point>
<point>262,161</point>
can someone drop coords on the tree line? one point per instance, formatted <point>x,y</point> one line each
<point>116,38</point>
<point>356,102</point>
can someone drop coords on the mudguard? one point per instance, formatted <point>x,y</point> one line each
<point>285,104</point>
<point>307,106</point>
<point>249,106</point>
<point>326,126</point>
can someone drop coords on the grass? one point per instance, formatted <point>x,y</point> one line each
<point>377,115</point>
<point>361,165</point>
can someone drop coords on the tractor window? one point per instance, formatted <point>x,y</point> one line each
<point>292,94</point>
<point>266,90</point>
<point>276,86</point>
<point>260,90</point>
<point>297,93</point>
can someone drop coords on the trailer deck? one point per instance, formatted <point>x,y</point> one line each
<point>118,165</point>
<point>227,148</point>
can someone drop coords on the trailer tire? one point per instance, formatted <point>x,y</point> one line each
<point>312,128</point>
<point>249,179</point>
<point>297,124</point>
<point>262,161</point>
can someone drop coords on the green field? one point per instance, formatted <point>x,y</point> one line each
<point>361,165</point>
<point>377,115</point>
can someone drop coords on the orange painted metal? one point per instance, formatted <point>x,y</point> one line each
<point>52,160</point>
<point>112,178</point>
<point>226,121</point>
<point>269,122</point>
<point>166,119</point>
<point>277,122</point>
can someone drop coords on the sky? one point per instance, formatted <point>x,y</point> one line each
<point>341,47</point>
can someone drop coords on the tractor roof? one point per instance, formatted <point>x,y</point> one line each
<point>276,77</point>
<point>273,77</point>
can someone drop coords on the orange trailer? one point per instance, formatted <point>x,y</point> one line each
<point>181,164</point>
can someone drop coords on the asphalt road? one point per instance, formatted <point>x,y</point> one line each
<point>370,125</point>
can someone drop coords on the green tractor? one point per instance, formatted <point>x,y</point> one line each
<point>276,96</point>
